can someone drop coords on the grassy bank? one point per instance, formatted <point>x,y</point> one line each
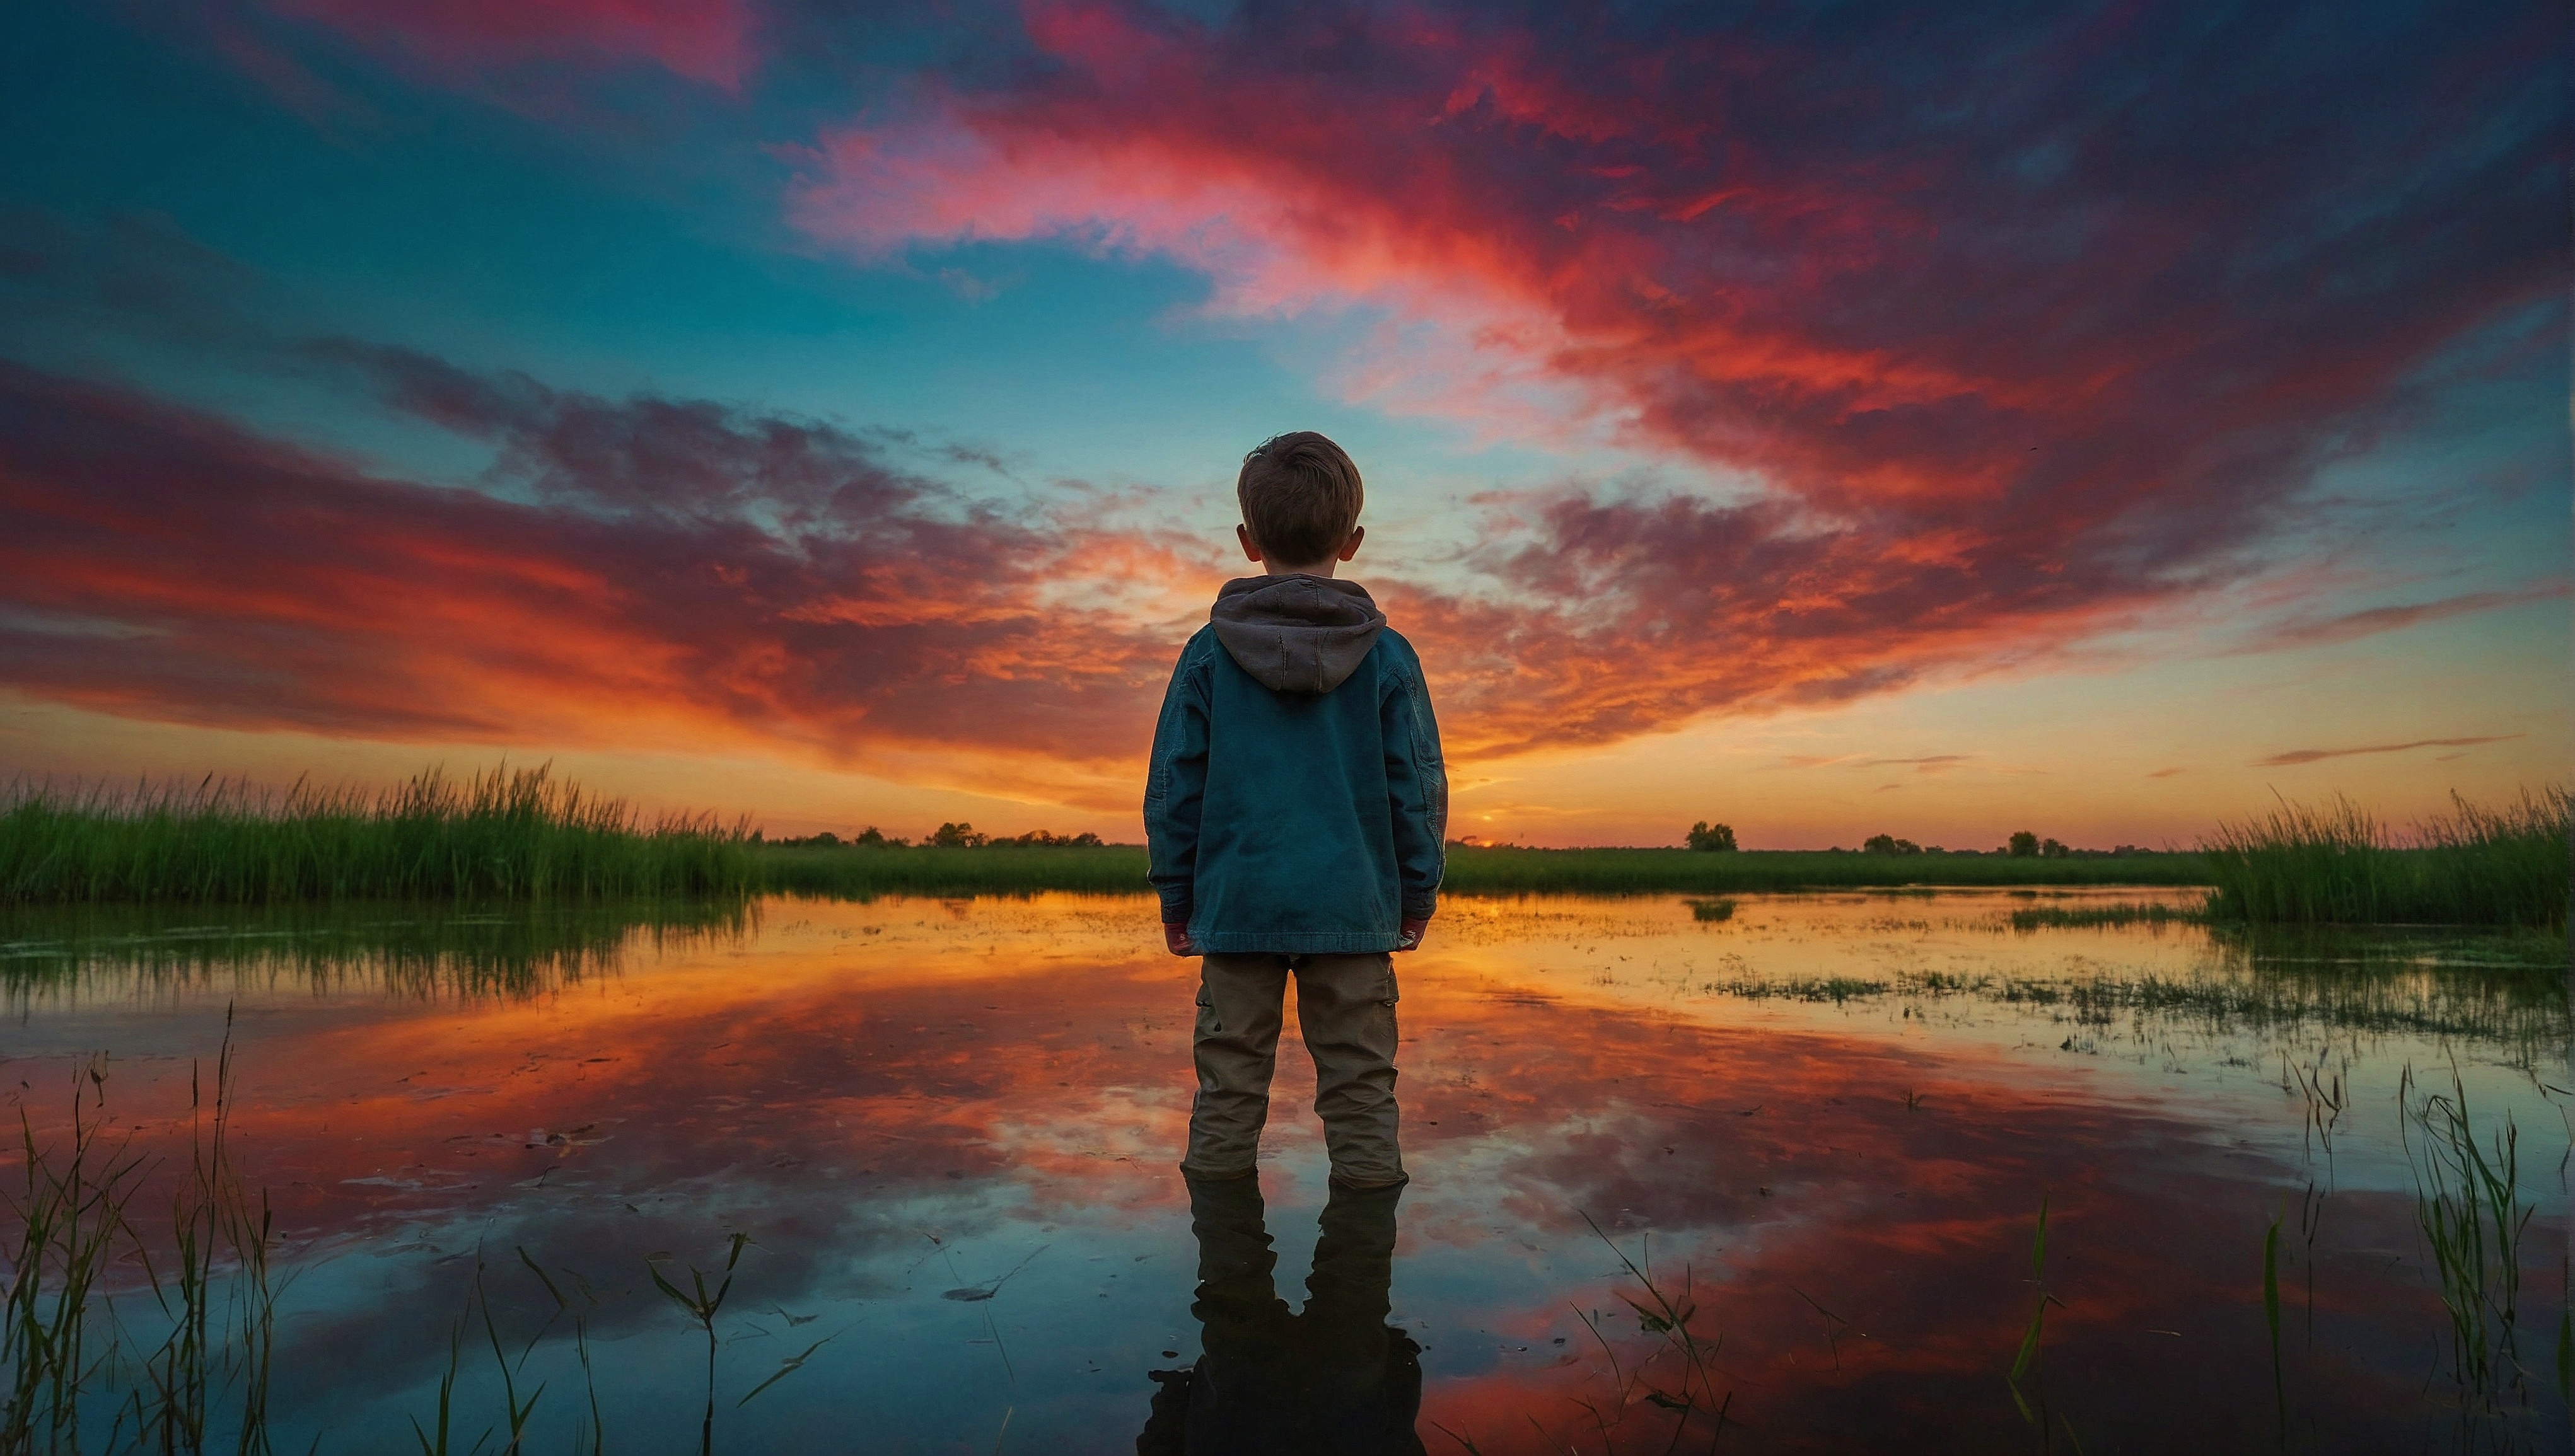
<point>1686,871</point>
<point>1115,870</point>
<point>519,835</point>
<point>2335,865</point>
<point>524,835</point>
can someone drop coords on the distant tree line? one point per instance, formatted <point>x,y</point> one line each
<point>2022,845</point>
<point>958,836</point>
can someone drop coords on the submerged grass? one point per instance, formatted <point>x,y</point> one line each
<point>2503,990</point>
<point>510,834</point>
<point>2468,1204</point>
<point>2058,918</point>
<point>2480,865</point>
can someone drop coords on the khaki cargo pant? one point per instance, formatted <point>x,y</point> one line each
<point>1346,1006</point>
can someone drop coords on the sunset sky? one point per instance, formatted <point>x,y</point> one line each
<point>1824,419</point>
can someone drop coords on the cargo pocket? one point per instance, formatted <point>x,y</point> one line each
<point>1389,995</point>
<point>1209,1026</point>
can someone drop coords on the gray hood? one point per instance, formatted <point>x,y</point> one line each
<point>1297,633</point>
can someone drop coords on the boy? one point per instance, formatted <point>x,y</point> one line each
<point>1294,810</point>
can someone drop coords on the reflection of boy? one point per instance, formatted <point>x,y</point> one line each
<point>1332,1380</point>
<point>1294,808</point>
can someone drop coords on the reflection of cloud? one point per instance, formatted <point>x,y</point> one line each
<point>952,1077</point>
<point>2310,756</point>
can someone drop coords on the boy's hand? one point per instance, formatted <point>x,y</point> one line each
<point>1409,935</point>
<point>1176,937</point>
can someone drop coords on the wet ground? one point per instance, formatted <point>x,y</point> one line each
<point>1780,1159</point>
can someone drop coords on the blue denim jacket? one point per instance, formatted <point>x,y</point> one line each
<point>1290,819</point>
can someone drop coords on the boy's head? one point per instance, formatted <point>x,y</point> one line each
<point>1300,504</point>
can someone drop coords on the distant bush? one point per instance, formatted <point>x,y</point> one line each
<point>1889,844</point>
<point>1704,836</point>
<point>2024,846</point>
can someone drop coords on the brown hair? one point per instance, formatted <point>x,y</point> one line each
<point>1300,496</point>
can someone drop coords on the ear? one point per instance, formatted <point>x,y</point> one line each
<point>1350,548</point>
<point>1250,548</point>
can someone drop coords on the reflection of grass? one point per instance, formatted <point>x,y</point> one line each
<point>2335,865</point>
<point>418,949</point>
<point>520,834</point>
<point>1711,911</point>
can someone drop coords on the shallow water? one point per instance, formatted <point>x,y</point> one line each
<point>1824,1124</point>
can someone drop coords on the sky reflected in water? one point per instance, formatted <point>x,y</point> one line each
<point>950,1131</point>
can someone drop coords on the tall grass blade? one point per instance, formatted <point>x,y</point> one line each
<point>2271,1319</point>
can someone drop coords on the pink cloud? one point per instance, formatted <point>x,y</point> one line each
<point>1993,404</point>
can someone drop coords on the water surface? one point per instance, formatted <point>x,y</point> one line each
<point>1823,1126</point>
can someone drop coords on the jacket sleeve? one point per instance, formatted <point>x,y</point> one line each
<point>1418,790</point>
<point>1176,787</point>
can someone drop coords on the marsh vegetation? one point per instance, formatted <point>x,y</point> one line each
<point>2335,864</point>
<point>524,835</point>
<point>508,834</point>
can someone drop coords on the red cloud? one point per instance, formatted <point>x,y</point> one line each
<point>2003,338</point>
<point>686,576</point>
<point>656,571</point>
<point>2001,370</point>
<point>653,573</point>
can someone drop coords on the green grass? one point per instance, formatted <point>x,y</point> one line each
<point>526,836</point>
<point>506,835</point>
<point>1120,868</point>
<point>2335,865</point>
<point>1687,871</point>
